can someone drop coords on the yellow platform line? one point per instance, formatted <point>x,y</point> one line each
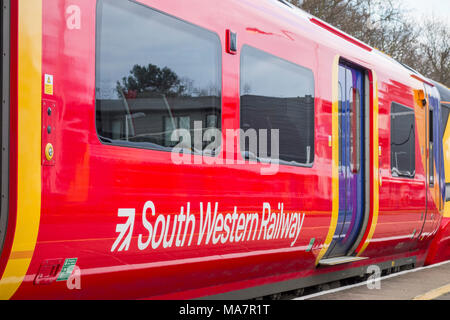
<point>433,294</point>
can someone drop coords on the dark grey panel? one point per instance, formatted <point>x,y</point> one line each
<point>5,23</point>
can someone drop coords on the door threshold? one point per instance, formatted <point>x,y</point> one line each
<point>340,260</point>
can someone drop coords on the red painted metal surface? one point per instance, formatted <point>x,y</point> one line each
<point>340,34</point>
<point>89,181</point>
<point>440,247</point>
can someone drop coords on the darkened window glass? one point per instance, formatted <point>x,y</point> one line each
<point>444,116</point>
<point>155,74</point>
<point>355,132</point>
<point>447,192</point>
<point>277,94</point>
<point>403,154</point>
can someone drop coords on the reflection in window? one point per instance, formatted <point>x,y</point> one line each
<point>403,155</point>
<point>277,94</point>
<point>173,123</point>
<point>155,74</point>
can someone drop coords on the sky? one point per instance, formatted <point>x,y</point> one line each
<point>417,8</point>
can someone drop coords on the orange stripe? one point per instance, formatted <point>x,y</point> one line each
<point>422,80</point>
<point>21,255</point>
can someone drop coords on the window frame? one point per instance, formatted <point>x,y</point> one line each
<point>398,174</point>
<point>280,162</point>
<point>125,144</point>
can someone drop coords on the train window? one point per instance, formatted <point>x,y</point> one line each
<point>355,133</point>
<point>277,94</point>
<point>444,117</point>
<point>403,155</point>
<point>154,74</point>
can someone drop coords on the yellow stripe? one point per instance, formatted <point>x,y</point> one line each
<point>376,178</point>
<point>446,143</point>
<point>335,160</point>
<point>433,294</point>
<point>29,146</point>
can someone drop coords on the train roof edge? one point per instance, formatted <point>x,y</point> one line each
<point>443,90</point>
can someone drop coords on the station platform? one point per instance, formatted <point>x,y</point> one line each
<point>426,283</point>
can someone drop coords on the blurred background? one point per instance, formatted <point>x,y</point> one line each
<point>414,32</point>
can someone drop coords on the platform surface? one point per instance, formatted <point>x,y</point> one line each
<point>427,283</point>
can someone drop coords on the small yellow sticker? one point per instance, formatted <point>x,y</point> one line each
<point>48,85</point>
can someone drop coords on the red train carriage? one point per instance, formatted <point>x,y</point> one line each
<point>214,149</point>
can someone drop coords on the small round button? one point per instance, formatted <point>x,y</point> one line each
<point>49,152</point>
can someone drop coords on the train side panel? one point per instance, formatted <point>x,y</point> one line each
<point>110,209</point>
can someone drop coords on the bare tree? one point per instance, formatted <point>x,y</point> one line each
<point>385,25</point>
<point>435,50</point>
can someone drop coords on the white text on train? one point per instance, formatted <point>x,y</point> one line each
<point>208,227</point>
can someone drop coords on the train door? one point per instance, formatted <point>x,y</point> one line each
<point>434,203</point>
<point>445,115</point>
<point>351,164</point>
